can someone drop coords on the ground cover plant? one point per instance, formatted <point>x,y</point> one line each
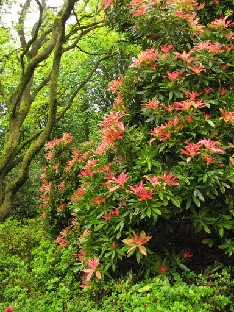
<point>35,278</point>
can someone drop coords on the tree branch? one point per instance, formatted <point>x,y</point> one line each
<point>29,71</point>
<point>40,87</point>
<point>4,95</point>
<point>74,44</point>
<point>21,23</point>
<point>82,84</point>
<point>80,28</point>
<point>35,35</point>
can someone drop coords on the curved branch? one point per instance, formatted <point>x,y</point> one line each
<point>74,44</point>
<point>4,95</point>
<point>21,23</point>
<point>35,35</point>
<point>29,71</point>
<point>40,87</point>
<point>82,84</point>
<point>80,28</point>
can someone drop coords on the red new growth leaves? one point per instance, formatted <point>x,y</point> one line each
<point>163,269</point>
<point>116,84</point>
<point>203,147</point>
<point>112,131</point>
<point>227,116</point>
<point>66,138</point>
<point>191,149</point>
<point>92,264</point>
<point>185,56</point>
<point>120,181</point>
<point>151,104</point>
<point>137,242</point>
<point>145,58</point>
<point>221,23</point>
<point>106,3</point>
<point>169,179</point>
<point>187,254</point>
<point>174,75</point>
<point>212,146</point>
<point>141,192</point>
<point>153,180</point>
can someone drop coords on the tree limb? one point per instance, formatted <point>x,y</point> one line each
<point>82,84</point>
<point>84,27</point>
<point>35,35</point>
<point>21,23</point>
<point>4,95</point>
<point>40,87</point>
<point>74,44</point>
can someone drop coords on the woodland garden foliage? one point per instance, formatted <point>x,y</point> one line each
<point>158,177</point>
<point>139,217</point>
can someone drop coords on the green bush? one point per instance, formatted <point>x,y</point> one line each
<point>159,294</point>
<point>17,242</point>
<point>161,176</point>
<point>32,273</point>
<point>36,277</point>
<point>153,295</point>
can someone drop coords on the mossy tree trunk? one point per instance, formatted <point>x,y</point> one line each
<point>47,45</point>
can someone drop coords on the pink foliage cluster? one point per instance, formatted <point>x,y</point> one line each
<point>117,190</point>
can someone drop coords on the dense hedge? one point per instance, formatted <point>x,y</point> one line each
<point>158,182</point>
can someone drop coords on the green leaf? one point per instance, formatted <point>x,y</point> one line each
<point>184,267</point>
<point>113,266</point>
<point>148,211</point>
<point>156,211</point>
<point>188,203</point>
<point>145,288</point>
<point>211,123</point>
<point>205,178</point>
<point>176,201</point>
<point>222,188</point>
<point>226,185</point>
<point>207,230</point>
<point>229,225</point>
<point>208,242</point>
<point>221,231</point>
<point>198,194</point>
<point>130,253</point>
<point>120,252</point>
<point>170,95</point>
<point>160,194</point>
<point>138,256</point>
<point>196,201</point>
<point>228,246</point>
<point>113,254</point>
<point>99,226</point>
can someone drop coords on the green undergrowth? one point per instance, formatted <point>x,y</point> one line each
<point>156,294</point>
<point>36,278</point>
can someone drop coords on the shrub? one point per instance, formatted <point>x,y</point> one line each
<point>211,293</point>
<point>32,274</point>
<point>162,172</point>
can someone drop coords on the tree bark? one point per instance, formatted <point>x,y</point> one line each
<point>49,42</point>
<point>20,103</point>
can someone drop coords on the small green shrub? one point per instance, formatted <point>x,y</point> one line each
<point>211,293</point>
<point>34,277</point>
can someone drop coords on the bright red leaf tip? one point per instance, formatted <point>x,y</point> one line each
<point>137,242</point>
